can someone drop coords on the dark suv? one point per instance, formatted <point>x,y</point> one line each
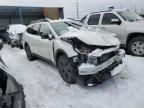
<point>11,92</point>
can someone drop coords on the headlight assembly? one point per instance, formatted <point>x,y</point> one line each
<point>83,50</point>
<point>92,60</point>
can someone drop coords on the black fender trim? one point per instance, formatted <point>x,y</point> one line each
<point>56,54</point>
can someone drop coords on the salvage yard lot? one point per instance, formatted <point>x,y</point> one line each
<point>44,87</point>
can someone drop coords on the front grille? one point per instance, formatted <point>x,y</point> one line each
<point>99,60</point>
<point>106,57</point>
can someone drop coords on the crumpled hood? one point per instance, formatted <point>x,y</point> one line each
<point>97,37</point>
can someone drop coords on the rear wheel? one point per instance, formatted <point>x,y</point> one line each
<point>136,46</point>
<point>67,69</point>
<point>29,53</point>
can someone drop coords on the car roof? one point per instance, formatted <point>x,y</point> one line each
<point>51,21</point>
<point>112,10</point>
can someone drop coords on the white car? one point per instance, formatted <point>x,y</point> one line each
<point>15,34</point>
<point>128,26</point>
<point>88,56</point>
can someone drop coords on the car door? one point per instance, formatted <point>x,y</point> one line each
<point>117,28</point>
<point>33,37</point>
<point>93,21</point>
<point>45,44</point>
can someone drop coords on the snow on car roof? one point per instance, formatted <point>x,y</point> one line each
<point>60,20</point>
<point>17,28</point>
<point>119,10</point>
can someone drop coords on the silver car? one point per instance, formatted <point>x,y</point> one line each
<point>128,27</point>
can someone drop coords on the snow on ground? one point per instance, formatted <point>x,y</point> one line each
<point>44,88</point>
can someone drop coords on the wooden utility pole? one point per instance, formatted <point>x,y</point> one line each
<point>135,9</point>
<point>77,8</point>
<point>121,6</point>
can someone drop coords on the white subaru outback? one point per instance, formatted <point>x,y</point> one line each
<point>87,56</point>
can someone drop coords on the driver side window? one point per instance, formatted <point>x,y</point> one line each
<point>44,29</point>
<point>107,17</point>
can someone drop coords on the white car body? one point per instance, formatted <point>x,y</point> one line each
<point>49,48</point>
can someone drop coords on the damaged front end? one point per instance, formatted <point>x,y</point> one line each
<point>102,67</point>
<point>97,63</point>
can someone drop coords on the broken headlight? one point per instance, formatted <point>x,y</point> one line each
<point>92,60</point>
<point>83,50</point>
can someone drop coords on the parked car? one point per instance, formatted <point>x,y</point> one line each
<point>142,15</point>
<point>11,92</point>
<point>3,33</point>
<point>15,35</point>
<point>127,25</point>
<point>83,55</point>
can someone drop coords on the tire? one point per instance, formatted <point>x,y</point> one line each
<point>136,46</point>
<point>29,53</point>
<point>12,46</point>
<point>67,69</point>
<point>21,46</point>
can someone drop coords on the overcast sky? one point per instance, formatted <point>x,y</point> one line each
<point>96,5</point>
<point>85,6</point>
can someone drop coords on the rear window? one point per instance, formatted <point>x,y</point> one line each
<point>94,19</point>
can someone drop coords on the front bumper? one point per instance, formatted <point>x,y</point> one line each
<point>91,75</point>
<point>114,65</point>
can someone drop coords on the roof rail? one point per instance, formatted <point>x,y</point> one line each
<point>41,20</point>
<point>109,10</point>
<point>73,19</point>
<point>101,11</point>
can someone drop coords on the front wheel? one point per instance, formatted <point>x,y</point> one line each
<point>29,53</point>
<point>12,46</point>
<point>67,69</point>
<point>21,46</point>
<point>136,46</point>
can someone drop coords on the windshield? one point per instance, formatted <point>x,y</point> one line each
<point>130,16</point>
<point>62,27</point>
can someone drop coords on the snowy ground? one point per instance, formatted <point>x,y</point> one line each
<point>45,89</point>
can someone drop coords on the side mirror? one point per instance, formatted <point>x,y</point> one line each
<point>1,44</point>
<point>50,36</point>
<point>116,21</point>
<point>44,36</point>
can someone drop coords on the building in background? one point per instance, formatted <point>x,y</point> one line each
<point>24,11</point>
